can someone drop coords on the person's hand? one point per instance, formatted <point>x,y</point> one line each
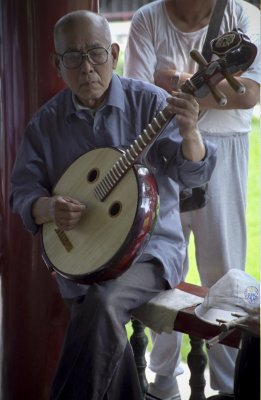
<point>163,78</point>
<point>170,79</point>
<point>251,323</point>
<point>186,109</point>
<point>66,212</point>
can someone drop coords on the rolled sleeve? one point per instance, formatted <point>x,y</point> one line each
<point>24,207</point>
<point>187,173</point>
<point>196,173</point>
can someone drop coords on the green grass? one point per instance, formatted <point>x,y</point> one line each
<point>253,203</point>
<point>253,225</point>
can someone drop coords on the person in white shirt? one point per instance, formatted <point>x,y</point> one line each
<point>161,36</point>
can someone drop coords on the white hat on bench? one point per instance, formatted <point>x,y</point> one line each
<point>234,295</point>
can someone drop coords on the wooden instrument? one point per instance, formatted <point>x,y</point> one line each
<point>120,193</point>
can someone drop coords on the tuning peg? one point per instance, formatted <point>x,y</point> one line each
<point>197,56</point>
<point>220,97</point>
<point>234,83</point>
<point>237,86</point>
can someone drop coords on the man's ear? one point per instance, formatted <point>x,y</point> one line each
<point>115,50</point>
<point>55,59</point>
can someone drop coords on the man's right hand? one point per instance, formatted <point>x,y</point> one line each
<point>64,211</point>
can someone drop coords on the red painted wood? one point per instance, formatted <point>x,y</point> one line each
<point>34,317</point>
<point>200,291</point>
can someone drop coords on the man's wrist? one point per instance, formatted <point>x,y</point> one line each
<point>193,134</point>
<point>42,210</point>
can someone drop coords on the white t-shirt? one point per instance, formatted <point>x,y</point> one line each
<point>154,43</point>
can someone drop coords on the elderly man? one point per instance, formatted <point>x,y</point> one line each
<point>100,109</point>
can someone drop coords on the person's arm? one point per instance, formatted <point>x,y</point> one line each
<point>186,109</point>
<point>248,22</point>
<point>140,58</point>
<point>164,79</point>
<point>182,153</point>
<point>30,194</point>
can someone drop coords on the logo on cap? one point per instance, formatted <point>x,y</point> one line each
<point>251,294</point>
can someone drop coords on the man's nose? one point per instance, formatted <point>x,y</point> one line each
<point>86,63</point>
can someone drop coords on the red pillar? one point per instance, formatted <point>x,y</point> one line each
<point>33,316</point>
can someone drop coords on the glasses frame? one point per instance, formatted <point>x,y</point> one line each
<point>84,55</point>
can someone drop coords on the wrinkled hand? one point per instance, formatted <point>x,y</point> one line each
<point>186,109</point>
<point>66,212</point>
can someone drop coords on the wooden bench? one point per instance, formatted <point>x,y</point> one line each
<point>186,322</point>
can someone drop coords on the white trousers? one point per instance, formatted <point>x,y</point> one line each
<point>219,231</point>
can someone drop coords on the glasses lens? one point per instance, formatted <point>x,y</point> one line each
<point>72,59</point>
<point>98,55</point>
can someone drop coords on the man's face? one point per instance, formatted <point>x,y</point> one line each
<point>88,82</point>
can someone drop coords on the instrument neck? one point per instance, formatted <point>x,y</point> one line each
<point>132,155</point>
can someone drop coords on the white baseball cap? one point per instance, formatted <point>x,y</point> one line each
<point>235,293</point>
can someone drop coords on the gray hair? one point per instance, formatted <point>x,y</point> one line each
<point>70,19</point>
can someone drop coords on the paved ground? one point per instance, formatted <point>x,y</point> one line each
<point>183,382</point>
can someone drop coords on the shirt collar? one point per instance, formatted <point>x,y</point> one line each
<point>80,107</point>
<point>115,95</point>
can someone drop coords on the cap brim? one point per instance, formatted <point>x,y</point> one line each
<point>215,315</point>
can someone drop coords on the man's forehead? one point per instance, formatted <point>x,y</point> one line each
<point>81,30</point>
<point>80,38</point>
<point>79,21</point>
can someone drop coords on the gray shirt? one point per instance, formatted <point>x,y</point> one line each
<point>60,132</point>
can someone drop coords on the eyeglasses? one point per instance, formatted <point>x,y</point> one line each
<point>74,59</point>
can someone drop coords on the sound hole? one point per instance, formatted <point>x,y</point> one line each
<point>115,209</point>
<point>93,175</point>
